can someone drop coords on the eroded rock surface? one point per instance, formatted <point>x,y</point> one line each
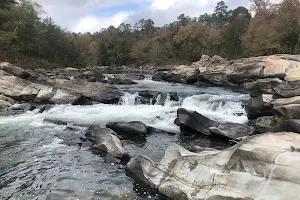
<point>262,167</point>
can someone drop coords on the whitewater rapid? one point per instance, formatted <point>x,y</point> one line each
<point>226,107</point>
<point>41,160</point>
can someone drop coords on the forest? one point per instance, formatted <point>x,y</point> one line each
<point>266,28</point>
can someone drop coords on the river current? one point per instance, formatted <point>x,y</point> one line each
<point>40,160</point>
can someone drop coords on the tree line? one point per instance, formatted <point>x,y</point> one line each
<point>30,41</point>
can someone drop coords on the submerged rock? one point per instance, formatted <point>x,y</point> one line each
<point>105,140</point>
<point>191,121</point>
<point>133,129</point>
<point>259,167</point>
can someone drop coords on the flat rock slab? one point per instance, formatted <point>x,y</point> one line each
<point>262,167</point>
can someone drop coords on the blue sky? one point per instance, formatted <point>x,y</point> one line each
<point>92,15</point>
<point>113,9</point>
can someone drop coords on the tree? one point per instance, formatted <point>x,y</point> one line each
<point>234,30</point>
<point>221,13</point>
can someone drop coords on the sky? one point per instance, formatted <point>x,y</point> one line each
<point>92,15</point>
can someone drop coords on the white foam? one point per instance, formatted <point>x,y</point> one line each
<point>55,144</point>
<point>223,108</point>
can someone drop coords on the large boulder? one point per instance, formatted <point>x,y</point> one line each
<point>56,91</point>
<point>247,70</point>
<point>105,140</point>
<point>191,121</point>
<point>97,91</point>
<point>129,129</point>
<point>231,131</point>
<point>14,70</point>
<point>259,105</point>
<point>259,167</point>
<point>265,86</point>
<point>287,89</point>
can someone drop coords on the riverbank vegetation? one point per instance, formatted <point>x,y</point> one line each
<point>31,41</point>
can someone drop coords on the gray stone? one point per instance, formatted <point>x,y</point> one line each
<point>259,167</point>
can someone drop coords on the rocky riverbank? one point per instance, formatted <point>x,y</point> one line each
<point>260,166</point>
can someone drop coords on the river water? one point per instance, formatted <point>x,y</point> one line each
<point>40,160</point>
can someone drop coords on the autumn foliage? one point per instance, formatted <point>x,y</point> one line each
<point>29,40</point>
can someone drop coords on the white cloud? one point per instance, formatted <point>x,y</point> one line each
<point>77,15</point>
<point>93,23</point>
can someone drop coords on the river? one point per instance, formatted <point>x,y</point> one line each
<point>40,160</point>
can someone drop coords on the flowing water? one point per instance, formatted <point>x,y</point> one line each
<point>40,160</point>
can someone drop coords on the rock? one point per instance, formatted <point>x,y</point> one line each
<point>131,76</point>
<point>23,107</point>
<point>5,102</point>
<point>290,111</point>
<point>259,105</point>
<point>45,108</point>
<point>193,78</point>
<point>160,76</point>
<point>118,81</point>
<point>265,86</point>
<point>259,167</point>
<point>175,78</point>
<point>94,75</point>
<point>287,89</point>
<point>129,129</point>
<point>198,149</point>
<point>105,140</point>
<point>285,101</point>
<point>97,91</point>
<point>64,97</point>
<point>205,59</point>
<point>294,75</point>
<point>83,101</point>
<point>246,70</point>
<point>14,70</point>
<point>231,131</point>
<point>267,124</point>
<point>191,121</point>
<point>217,59</point>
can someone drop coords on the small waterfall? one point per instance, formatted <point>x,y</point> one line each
<point>148,77</point>
<point>158,99</point>
<point>129,99</point>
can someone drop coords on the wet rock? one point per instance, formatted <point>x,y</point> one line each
<point>105,140</point>
<point>131,76</point>
<point>191,121</point>
<point>259,105</point>
<point>82,100</point>
<point>259,167</point>
<point>198,149</point>
<point>231,131</point>
<point>44,108</point>
<point>129,129</point>
<point>118,81</point>
<point>24,107</point>
<point>161,76</point>
<point>192,79</point>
